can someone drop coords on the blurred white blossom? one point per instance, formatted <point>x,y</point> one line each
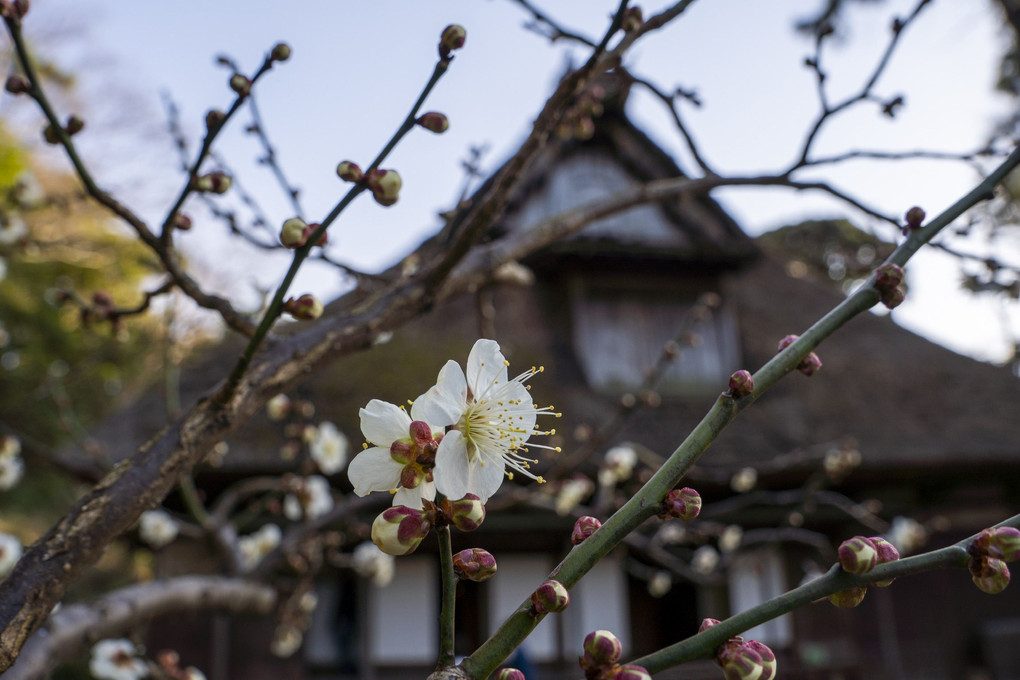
<point>116,660</point>
<point>705,560</point>
<point>10,553</point>
<point>372,563</point>
<point>329,448</point>
<point>744,480</point>
<point>255,546</point>
<point>157,528</point>
<point>618,465</point>
<point>571,493</point>
<point>311,498</point>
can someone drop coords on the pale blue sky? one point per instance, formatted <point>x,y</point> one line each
<point>357,67</point>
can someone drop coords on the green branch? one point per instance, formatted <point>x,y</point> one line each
<point>646,502</point>
<point>449,598</point>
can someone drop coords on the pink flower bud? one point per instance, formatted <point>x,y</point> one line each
<point>433,121</point>
<point>509,674</point>
<point>349,171</point>
<point>707,623</point>
<point>632,19</point>
<point>846,599</point>
<point>240,84</point>
<point>887,552</point>
<point>280,52</point>
<point>385,186</point>
<point>630,672</point>
<point>893,297</point>
<point>889,275</point>
<point>399,530</point>
<point>768,659</point>
<point>74,125</point>
<point>305,308</point>
<point>17,84</point>
<point>214,119</point>
<point>989,574</point>
<point>740,661</point>
<point>810,364</point>
<point>682,504</point>
<point>474,564</point>
<point>858,555</point>
<point>452,38</point>
<point>583,528</point>
<point>181,221</point>
<point>1005,543</point>
<point>551,596</point>
<point>601,648</point>
<point>787,341</point>
<point>741,384</point>
<point>467,514</point>
<point>915,218</point>
<point>293,234</point>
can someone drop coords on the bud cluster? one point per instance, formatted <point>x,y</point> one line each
<point>859,555</point>
<point>600,661</point>
<point>989,552</point>
<point>384,185</point>
<point>295,233</point>
<point>743,659</point>
<point>682,504</point>
<point>73,126</point>
<point>14,10</point>
<point>810,364</point>
<point>578,120</point>
<point>467,514</point>
<point>889,284</point>
<point>240,84</point>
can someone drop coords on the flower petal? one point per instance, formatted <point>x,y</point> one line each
<point>486,368</point>
<point>444,403</point>
<point>382,423</point>
<point>412,497</point>
<point>456,475</point>
<point>374,470</point>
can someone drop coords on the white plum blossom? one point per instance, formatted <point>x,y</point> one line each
<point>329,448</point>
<point>311,498</point>
<point>402,456</point>
<point>491,418</point>
<point>907,535</point>
<point>286,641</point>
<point>12,229</point>
<point>253,547</point>
<point>572,492</point>
<point>730,538</point>
<point>705,560</point>
<point>372,563</point>
<point>116,660</point>
<point>660,583</point>
<point>10,553</point>
<point>744,480</point>
<point>278,407</point>
<point>618,465</point>
<point>157,528</point>
<point>12,467</point>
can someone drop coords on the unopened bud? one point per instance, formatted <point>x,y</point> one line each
<point>433,121</point>
<point>293,234</point>
<point>915,218</point>
<point>810,364</point>
<point>768,659</point>
<point>889,275</point>
<point>280,52</point>
<point>583,528</point>
<point>601,648</point>
<point>989,574</point>
<point>216,182</point>
<point>682,504</point>
<point>17,84</point>
<point>452,38</point>
<point>51,135</point>
<point>707,623</point>
<point>551,596</point>
<point>305,308</point>
<point>467,514</point>
<point>400,529</point>
<point>1003,543</point>
<point>893,297</point>
<point>214,119</point>
<point>858,555</point>
<point>887,552</point>
<point>240,84</point>
<point>630,672</point>
<point>349,172</point>
<point>181,221</point>
<point>847,599</point>
<point>385,186</point>
<point>741,384</point>
<point>787,341</point>
<point>632,19</point>
<point>74,125</point>
<point>740,661</point>
<point>474,564</point>
<point>510,674</point>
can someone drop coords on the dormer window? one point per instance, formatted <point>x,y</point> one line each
<point>621,323</point>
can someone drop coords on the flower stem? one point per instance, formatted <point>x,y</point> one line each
<point>449,593</point>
